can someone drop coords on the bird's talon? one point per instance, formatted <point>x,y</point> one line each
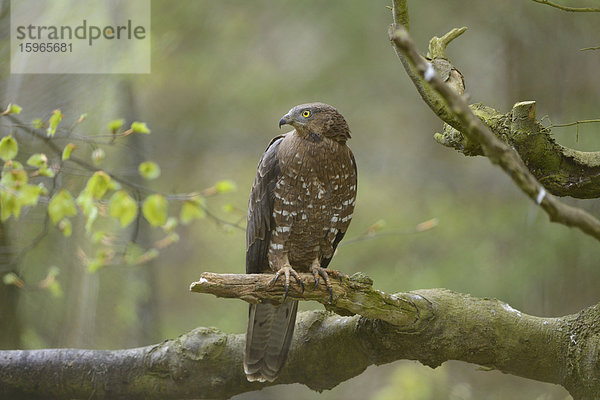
<point>287,271</point>
<point>274,280</point>
<point>318,271</point>
<point>299,281</point>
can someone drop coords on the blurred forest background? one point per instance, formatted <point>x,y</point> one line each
<point>223,73</point>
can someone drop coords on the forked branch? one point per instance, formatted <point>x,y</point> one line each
<point>452,108</point>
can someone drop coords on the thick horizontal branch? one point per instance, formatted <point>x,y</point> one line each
<point>436,325</point>
<point>327,348</point>
<point>351,296</point>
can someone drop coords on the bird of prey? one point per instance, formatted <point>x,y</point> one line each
<point>300,206</point>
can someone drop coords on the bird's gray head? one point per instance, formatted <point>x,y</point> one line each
<point>316,121</point>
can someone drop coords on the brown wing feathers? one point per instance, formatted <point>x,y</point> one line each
<point>260,210</point>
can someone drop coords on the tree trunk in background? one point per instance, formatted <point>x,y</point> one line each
<point>146,329</point>
<point>10,322</point>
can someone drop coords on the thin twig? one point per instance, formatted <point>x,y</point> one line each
<point>585,121</point>
<point>133,185</point>
<point>565,8</point>
<point>369,235</point>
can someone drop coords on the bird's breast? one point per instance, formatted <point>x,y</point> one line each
<point>314,197</point>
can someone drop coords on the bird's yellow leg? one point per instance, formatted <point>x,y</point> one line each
<point>287,271</point>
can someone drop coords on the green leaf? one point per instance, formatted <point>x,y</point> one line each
<point>139,127</point>
<point>225,186</point>
<point>15,165</point>
<point>85,200</point>
<point>9,205</point>
<point>228,208</point>
<point>98,155</point>
<point>154,209</point>
<point>65,227</point>
<point>66,154</point>
<point>115,125</point>
<point>132,253</point>
<point>190,210</point>
<point>135,254</point>
<point>12,279</point>
<point>51,284</point>
<point>99,184</point>
<point>13,109</point>
<point>45,171</point>
<point>13,175</point>
<point>167,241</point>
<point>40,160</point>
<point>61,206</point>
<point>94,265</point>
<point>37,160</point>
<point>9,278</point>
<point>103,256</point>
<point>30,194</point>
<point>149,170</point>
<point>37,123</point>
<point>147,256</point>
<point>123,207</point>
<point>99,236</point>
<point>170,224</point>
<point>55,289</point>
<point>53,271</point>
<point>8,148</point>
<point>91,216</point>
<point>53,122</point>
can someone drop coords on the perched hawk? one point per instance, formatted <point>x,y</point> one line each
<point>300,206</point>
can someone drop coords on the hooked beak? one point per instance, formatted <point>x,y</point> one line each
<point>285,120</point>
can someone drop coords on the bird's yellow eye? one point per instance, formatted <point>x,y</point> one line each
<point>306,113</point>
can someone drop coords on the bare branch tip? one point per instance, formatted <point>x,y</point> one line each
<point>453,34</point>
<point>437,46</point>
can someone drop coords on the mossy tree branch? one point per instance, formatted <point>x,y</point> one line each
<point>350,297</point>
<point>431,326</point>
<point>450,106</point>
<point>561,170</point>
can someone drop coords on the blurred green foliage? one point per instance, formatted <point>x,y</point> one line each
<point>223,73</point>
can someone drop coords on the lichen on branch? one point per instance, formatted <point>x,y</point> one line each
<point>561,170</point>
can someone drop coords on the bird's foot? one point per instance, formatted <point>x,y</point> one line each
<point>325,273</point>
<point>286,271</point>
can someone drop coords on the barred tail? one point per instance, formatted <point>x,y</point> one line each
<point>268,338</point>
